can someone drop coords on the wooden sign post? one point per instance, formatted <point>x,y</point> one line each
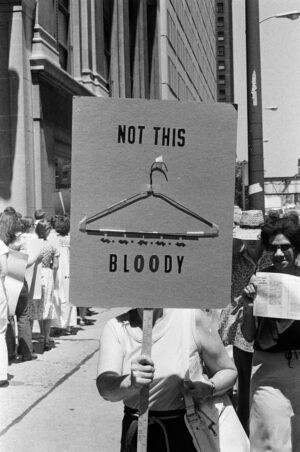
<point>144,395</point>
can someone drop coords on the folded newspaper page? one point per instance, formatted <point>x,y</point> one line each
<point>278,296</point>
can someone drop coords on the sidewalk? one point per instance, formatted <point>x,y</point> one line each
<point>52,402</point>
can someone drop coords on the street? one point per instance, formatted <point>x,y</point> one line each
<point>52,403</point>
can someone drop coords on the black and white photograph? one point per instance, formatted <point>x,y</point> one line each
<point>149,226</point>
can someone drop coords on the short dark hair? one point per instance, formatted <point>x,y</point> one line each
<point>283,226</point>
<point>43,228</point>
<point>26,224</point>
<point>39,214</point>
<point>62,225</point>
<point>293,216</point>
<point>10,209</point>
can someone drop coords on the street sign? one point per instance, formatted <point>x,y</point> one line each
<point>152,203</point>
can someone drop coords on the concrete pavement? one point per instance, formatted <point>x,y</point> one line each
<point>52,403</point>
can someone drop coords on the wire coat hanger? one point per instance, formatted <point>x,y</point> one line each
<point>160,166</point>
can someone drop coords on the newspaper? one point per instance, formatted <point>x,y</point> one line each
<point>14,279</point>
<point>278,296</point>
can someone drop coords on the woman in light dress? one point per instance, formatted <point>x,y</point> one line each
<point>66,314</point>
<point>43,308</point>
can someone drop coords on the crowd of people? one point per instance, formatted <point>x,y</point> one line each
<point>44,296</point>
<point>262,377</point>
<point>253,361</point>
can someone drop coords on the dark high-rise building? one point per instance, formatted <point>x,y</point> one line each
<point>224,50</point>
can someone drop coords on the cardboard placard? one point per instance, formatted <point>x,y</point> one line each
<point>164,235</point>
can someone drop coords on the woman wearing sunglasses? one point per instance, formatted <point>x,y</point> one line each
<point>275,383</point>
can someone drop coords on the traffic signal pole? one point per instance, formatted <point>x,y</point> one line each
<point>254,108</point>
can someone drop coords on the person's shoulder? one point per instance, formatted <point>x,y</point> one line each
<point>119,320</point>
<point>3,248</point>
<point>123,318</point>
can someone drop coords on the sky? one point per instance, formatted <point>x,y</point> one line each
<point>280,75</point>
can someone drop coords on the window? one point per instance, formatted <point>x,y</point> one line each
<point>220,36</point>
<point>221,79</point>
<point>220,7</point>
<point>63,19</point>
<point>221,51</point>
<point>221,65</point>
<point>222,93</point>
<point>62,173</point>
<point>220,21</point>
<point>108,18</point>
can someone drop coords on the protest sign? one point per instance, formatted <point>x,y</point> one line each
<point>278,296</point>
<point>153,189</point>
<point>14,280</point>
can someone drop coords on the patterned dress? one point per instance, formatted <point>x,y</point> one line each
<point>243,267</point>
<point>44,308</point>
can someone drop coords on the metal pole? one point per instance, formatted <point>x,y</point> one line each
<point>254,107</point>
<point>243,186</point>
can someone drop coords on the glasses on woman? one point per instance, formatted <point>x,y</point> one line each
<point>284,248</point>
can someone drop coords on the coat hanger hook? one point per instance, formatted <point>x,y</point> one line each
<point>158,166</point>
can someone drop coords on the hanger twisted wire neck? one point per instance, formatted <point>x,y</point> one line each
<point>158,166</point>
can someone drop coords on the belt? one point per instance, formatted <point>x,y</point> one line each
<point>289,353</point>
<point>170,414</point>
<point>154,417</point>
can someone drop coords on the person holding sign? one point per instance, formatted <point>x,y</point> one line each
<point>275,390</point>
<point>177,335</point>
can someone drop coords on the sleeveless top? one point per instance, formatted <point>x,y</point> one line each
<point>172,344</point>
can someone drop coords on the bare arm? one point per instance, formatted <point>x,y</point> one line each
<point>55,264</point>
<point>3,271</point>
<point>221,369</point>
<point>115,387</point>
<point>34,258</point>
<point>3,266</point>
<point>111,384</point>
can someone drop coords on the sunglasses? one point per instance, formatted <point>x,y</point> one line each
<point>284,248</point>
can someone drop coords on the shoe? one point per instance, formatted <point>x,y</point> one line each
<point>69,332</point>
<point>56,332</point>
<point>47,347</point>
<point>90,312</point>
<point>30,357</point>
<point>3,383</point>
<point>88,322</point>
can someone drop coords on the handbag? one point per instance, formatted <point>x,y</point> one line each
<point>215,427</point>
<point>213,424</point>
<point>230,317</point>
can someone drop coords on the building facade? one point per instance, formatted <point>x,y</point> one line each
<point>224,51</point>
<point>188,50</point>
<point>53,50</point>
